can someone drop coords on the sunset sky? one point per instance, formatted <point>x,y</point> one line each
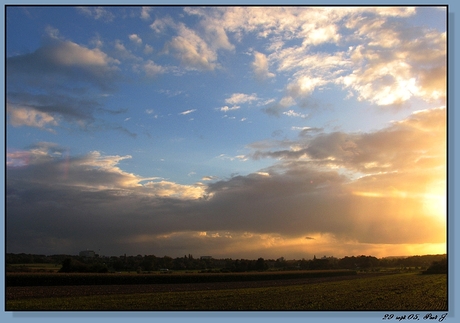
<point>237,132</point>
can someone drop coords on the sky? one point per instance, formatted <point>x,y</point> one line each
<point>234,132</point>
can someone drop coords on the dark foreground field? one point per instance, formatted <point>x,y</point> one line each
<point>371,292</point>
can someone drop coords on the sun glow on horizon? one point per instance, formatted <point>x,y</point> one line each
<point>435,201</point>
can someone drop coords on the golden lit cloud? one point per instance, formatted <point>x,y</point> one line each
<point>27,116</point>
<point>174,190</point>
<point>68,53</point>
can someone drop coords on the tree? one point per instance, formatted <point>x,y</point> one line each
<point>148,263</point>
<point>66,266</point>
<point>72,265</point>
<point>280,263</point>
<point>261,264</point>
<point>437,267</point>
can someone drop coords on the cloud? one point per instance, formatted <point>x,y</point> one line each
<point>357,190</point>
<point>399,147</point>
<point>160,24</point>
<point>28,116</point>
<point>86,189</point>
<point>135,39</point>
<point>276,108</point>
<point>215,34</point>
<point>305,131</point>
<point>391,67</point>
<point>193,52</point>
<point>209,178</point>
<point>152,69</point>
<point>61,80</point>
<point>91,172</point>
<point>195,48</point>
<point>187,112</point>
<point>310,73</point>
<point>232,158</point>
<point>174,190</point>
<point>385,64</point>
<point>260,66</point>
<point>59,59</point>
<point>304,86</point>
<point>148,49</point>
<point>124,54</point>
<point>226,108</point>
<point>240,98</point>
<point>97,13</point>
<point>272,21</point>
<point>292,113</point>
<point>61,107</point>
<point>145,13</point>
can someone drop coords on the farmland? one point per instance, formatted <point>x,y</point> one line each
<point>304,291</point>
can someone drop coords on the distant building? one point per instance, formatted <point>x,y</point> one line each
<point>87,254</point>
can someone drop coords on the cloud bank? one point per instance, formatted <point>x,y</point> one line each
<point>356,189</point>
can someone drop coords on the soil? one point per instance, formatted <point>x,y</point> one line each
<point>90,290</point>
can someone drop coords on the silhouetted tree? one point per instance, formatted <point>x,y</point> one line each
<point>66,266</point>
<point>437,267</point>
<point>261,264</point>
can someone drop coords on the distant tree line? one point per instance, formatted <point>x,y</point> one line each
<point>70,265</point>
<point>149,263</point>
<point>437,267</point>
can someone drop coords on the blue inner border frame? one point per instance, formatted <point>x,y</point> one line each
<point>269,317</point>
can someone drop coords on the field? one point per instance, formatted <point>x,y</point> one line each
<point>372,292</point>
<point>48,268</point>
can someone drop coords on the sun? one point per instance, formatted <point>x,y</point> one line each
<point>435,201</point>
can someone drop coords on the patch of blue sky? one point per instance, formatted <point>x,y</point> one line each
<point>430,17</point>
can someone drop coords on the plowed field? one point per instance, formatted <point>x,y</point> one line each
<point>368,292</point>
<point>87,290</point>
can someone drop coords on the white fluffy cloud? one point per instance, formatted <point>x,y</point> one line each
<point>152,69</point>
<point>384,67</point>
<point>192,50</point>
<point>261,66</point>
<point>145,13</point>
<point>239,98</point>
<point>226,108</point>
<point>135,39</point>
<point>292,113</point>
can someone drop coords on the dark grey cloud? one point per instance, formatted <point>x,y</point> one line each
<point>61,204</point>
<point>63,80</point>
<point>68,107</point>
<point>59,60</point>
<point>58,217</point>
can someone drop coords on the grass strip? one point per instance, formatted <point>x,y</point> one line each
<point>64,279</point>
